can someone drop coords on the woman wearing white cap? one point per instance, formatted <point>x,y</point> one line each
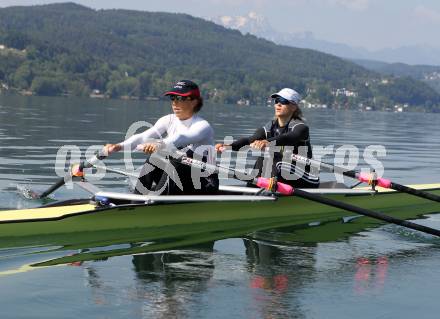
<point>184,130</point>
<point>287,129</point>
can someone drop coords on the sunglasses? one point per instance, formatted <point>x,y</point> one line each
<point>180,98</point>
<point>281,100</point>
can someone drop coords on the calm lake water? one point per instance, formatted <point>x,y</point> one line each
<point>381,273</point>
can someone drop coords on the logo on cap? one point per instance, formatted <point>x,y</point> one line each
<point>184,88</point>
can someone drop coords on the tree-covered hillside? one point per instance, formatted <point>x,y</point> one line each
<point>70,49</point>
<point>429,74</point>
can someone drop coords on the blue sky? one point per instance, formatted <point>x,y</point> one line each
<point>373,24</point>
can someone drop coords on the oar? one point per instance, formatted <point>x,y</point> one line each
<point>365,212</point>
<point>76,171</point>
<point>369,178</point>
<point>285,189</point>
<point>267,183</point>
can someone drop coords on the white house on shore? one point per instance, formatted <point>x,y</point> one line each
<point>344,92</point>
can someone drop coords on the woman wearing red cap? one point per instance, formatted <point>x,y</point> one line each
<point>287,129</point>
<point>184,130</point>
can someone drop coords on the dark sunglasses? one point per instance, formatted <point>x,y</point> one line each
<point>281,100</point>
<point>180,98</point>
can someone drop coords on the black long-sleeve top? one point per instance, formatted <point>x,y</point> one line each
<point>294,134</point>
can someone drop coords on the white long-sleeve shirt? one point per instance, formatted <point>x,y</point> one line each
<point>194,133</point>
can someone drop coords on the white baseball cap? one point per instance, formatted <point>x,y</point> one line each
<point>288,94</point>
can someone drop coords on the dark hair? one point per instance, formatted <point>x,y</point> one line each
<point>199,105</point>
<point>298,114</point>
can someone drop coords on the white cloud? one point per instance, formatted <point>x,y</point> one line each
<point>426,14</point>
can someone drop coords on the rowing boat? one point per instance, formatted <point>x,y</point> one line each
<point>111,224</point>
<point>165,222</point>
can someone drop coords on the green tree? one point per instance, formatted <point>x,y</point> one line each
<point>124,87</point>
<point>324,95</point>
<point>23,76</point>
<point>17,40</point>
<point>144,80</point>
<point>47,86</point>
<point>77,88</point>
<point>98,77</point>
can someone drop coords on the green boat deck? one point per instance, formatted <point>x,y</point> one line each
<point>189,223</point>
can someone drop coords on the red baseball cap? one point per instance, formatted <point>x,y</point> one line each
<point>184,88</point>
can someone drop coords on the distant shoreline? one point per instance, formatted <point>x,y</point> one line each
<point>304,105</point>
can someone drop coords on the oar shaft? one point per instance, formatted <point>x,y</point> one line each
<point>53,188</point>
<point>415,192</point>
<point>365,212</point>
<point>260,182</point>
<point>60,182</point>
<point>117,171</point>
<point>325,166</point>
<point>289,190</point>
<point>366,178</point>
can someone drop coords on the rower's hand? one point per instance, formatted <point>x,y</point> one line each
<point>221,147</point>
<point>148,148</point>
<point>259,144</point>
<point>111,148</point>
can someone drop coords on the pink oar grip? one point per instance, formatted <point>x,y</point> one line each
<point>367,178</point>
<point>364,177</point>
<point>383,182</point>
<point>284,189</point>
<point>281,188</point>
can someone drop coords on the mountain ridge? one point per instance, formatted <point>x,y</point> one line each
<point>258,25</point>
<point>429,74</point>
<point>68,48</point>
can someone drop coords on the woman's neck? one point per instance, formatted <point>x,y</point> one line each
<point>185,117</point>
<point>283,121</point>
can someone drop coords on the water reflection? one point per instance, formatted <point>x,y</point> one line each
<point>370,274</point>
<point>169,284</point>
<point>276,279</point>
<point>170,280</point>
<point>238,278</point>
<point>190,282</point>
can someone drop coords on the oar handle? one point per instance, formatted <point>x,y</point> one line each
<point>368,178</point>
<point>78,169</point>
<point>270,184</point>
<point>99,155</point>
<point>362,177</point>
<point>372,179</point>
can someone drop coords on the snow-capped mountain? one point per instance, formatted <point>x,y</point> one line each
<point>252,23</point>
<point>258,25</point>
